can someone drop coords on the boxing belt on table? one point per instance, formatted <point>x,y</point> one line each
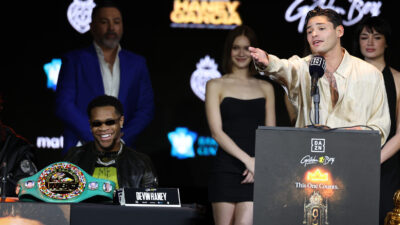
<point>64,182</point>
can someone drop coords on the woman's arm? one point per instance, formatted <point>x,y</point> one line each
<point>393,145</point>
<point>270,117</point>
<point>212,103</point>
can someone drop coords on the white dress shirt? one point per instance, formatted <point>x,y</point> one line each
<point>111,79</point>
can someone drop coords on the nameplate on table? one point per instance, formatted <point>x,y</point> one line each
<point>158,197</point>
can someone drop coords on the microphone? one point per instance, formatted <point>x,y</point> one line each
<point>317,70</point>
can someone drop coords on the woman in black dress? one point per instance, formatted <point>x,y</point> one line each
<point>372,42</point>
<point>236,104</point>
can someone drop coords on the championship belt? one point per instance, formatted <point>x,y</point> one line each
<point>64,182</point>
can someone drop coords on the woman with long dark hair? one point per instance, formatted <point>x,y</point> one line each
<point>236,104</point>
<point>373,36</point>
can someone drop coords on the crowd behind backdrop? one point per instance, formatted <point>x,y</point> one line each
<point>39,31</point>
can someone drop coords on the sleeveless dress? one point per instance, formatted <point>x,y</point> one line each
<point>390,169</point>
<point>240,119</point>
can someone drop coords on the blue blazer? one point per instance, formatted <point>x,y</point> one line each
<point>80,81</point>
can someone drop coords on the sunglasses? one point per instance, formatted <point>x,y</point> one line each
<point>107,122</point>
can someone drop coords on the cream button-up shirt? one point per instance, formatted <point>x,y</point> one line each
<point>362,96</point>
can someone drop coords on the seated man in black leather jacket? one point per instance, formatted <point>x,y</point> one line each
<point>16,158</point>
<point>107,157</point>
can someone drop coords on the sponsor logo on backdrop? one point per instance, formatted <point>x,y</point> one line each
<point>50,142</point>
<point>205,14</point>
<point>206,146</point>
<point>52,69</point>
<point>318,145</point>
<point>352,14</point>
<point>317,183</point>
<point>206,70</point>
<point>314,160</point>
<point>316,210</point>
<point>80,14</point>
<point>182,140</point>
<point>183,143</point>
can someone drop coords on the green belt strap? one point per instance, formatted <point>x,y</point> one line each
<point>63,182</point>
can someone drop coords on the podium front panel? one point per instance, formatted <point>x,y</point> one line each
<point>315,177</point>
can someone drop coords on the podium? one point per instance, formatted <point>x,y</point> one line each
<point>316,177</point>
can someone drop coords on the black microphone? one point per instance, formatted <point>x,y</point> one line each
<point>317,70</point>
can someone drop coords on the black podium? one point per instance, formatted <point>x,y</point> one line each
<point>316,177</point>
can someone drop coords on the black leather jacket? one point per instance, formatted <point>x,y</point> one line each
<point>17,156</point>
<point>134,169</point>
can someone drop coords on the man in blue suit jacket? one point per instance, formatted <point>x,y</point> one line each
<point>103,68</point>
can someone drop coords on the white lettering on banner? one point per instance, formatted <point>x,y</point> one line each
<point>300,185</point>
<point>152,196</point>
<point>318,145</point>
<point>355,13</point>
<point>312,160</point>
<point>309,160</point>
<point>47,142</point>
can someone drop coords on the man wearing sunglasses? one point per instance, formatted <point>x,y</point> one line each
<point>107,157</point>
<point>103,68</point>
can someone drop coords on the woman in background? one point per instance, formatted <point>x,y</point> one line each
<point>372,42</point>
<point>236,104</point>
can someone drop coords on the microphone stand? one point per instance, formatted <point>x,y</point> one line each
<point>316,112</point>
<point>3,167</point>
<point>316,105</point>
<point>3,181</point>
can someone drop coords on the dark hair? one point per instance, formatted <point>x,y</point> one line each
<point>372,23</point>
<point>332,16</point>
<point>105,100</point>
<point>103,4</point>
<point>226,56</point>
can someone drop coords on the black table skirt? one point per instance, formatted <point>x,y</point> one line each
<point>83,214</point>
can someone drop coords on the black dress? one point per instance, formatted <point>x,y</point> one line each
<point>240,119</point>
<point>390,169</point>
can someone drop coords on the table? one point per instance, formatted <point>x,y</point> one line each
<point>99,214</point>
<point>83,214</point>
